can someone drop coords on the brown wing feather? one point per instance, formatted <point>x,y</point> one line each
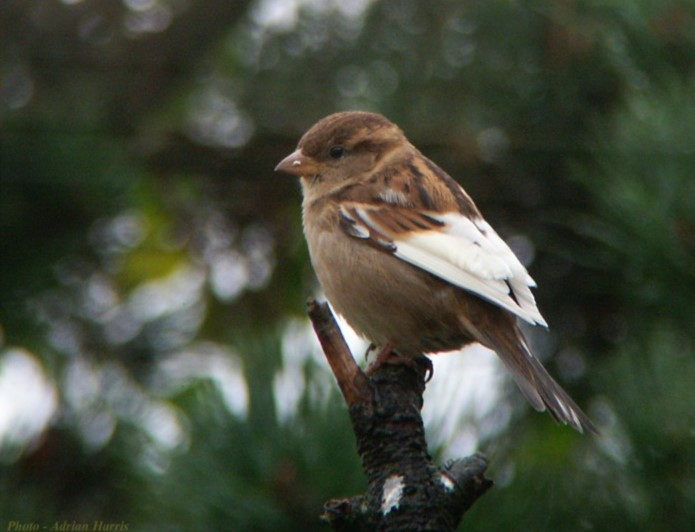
<point>416,181</point>
<point>379,226</point>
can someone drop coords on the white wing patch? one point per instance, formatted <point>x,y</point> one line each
<point>467,253</point>
<point>470,254</point>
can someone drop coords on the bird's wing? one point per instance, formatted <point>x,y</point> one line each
<point>464,251</point>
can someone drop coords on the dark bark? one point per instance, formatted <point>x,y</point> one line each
<point>406,490</point>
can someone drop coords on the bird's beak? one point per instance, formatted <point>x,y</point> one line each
<point>296,163</point>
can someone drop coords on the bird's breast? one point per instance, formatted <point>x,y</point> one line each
<point>383,298</point>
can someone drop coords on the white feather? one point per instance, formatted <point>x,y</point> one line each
<point>395,197</point>
<point>469,253</point>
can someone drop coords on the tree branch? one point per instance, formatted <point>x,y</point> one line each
<point>406,490</point>
<point>352,381</point>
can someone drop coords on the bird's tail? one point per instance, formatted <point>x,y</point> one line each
<point>539,388</point>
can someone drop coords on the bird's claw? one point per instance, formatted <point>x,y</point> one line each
<point>387,356</point>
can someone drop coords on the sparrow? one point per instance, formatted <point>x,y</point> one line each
<point>405,256</point>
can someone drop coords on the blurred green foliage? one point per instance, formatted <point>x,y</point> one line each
<point>155,365</point>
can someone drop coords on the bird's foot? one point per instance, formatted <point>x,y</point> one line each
<point>370,348</point>
<point>386,355</point>
<point>429,367</point>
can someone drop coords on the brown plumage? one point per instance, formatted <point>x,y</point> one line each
<point>403,253</point>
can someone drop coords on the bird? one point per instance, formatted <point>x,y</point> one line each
<point>405,256</point>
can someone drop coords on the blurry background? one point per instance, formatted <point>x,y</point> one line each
<point>156,365</point>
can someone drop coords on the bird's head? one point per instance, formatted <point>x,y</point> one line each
<point>341,147</point>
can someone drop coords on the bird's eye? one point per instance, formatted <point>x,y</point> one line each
<point>336,152</point>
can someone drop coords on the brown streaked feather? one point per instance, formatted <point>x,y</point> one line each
<point>383,225</point>
<point>463,201</point>
<point>402,173</point>
<point>419,185</point>
<point>400,220</point>
<point>353,224</point>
